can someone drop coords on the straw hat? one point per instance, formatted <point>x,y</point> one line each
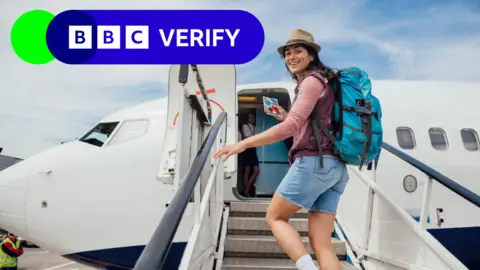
<point>299,36</point>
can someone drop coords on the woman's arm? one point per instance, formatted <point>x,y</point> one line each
<point>310,91</point>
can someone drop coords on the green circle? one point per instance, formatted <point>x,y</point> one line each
<point>29,37</point>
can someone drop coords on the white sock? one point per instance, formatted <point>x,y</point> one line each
<point>306,263</point>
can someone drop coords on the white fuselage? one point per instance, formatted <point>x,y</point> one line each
<point>77,198</point>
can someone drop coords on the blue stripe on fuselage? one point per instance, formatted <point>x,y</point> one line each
<point>125,257</point>
<point>463,243</point>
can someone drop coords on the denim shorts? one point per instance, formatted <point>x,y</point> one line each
<point>309,186</point>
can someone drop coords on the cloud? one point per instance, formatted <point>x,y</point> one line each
<point>43,105</point>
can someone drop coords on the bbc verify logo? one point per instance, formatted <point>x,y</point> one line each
<point>139,37</point>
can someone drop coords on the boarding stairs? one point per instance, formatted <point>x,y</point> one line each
<point>249,243</point>
<point>371,234</point>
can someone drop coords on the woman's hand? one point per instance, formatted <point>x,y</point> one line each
<point>231,149</point>
<point>282,114</point>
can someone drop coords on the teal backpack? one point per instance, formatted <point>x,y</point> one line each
<point>357,117</point>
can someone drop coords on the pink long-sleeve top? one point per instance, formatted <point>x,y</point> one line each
<point>312,91</point>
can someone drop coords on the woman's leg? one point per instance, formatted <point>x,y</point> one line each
<point>322,217</point>
<point>253,177</point>
<point>297,190</point>
<point>320,226</point>
<point>309,186</point>
<point>246,186</point>
<point>279,212</point>
<point>240,183</point>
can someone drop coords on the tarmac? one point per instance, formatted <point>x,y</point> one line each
<point>39,259</point>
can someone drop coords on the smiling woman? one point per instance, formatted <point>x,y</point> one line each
<point>307,184</point>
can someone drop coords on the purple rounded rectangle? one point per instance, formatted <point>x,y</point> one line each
<point>143,37</point>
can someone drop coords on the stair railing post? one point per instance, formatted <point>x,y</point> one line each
<point>427,195</point>
<point>370,200</point>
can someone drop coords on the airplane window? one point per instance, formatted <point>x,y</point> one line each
<point>438,138</point>
<point>470,139</point>
<point>130,130</point>
<point>405,137</point>
<point>99,134</point>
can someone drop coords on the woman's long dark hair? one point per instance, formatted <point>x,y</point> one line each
<point>315,65</point>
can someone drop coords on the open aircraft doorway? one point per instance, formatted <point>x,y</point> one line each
<point>272,159</point>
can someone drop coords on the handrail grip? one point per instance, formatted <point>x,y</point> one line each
<point>156,251</point>
<point>442,179</point>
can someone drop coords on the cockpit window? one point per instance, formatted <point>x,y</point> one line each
<point>99,134</point>
<point>129,130</point>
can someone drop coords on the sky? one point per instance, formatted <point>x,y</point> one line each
<point>40,106</point>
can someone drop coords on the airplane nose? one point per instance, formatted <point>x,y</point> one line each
<point>12,201</point>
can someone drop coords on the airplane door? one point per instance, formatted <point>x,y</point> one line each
<point>273,159</point>
<point>220,84</point>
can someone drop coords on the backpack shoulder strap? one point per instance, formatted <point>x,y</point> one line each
<point>316,124</point>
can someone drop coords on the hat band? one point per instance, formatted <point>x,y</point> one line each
<point>291,41</point>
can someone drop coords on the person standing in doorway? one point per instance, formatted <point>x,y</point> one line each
<point>250,158</point>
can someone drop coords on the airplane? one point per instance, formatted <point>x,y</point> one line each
<point>97,200</point>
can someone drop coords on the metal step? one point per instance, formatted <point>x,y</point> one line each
<point>249,218</point>
<point>257,209</point>
<point>259,226</point>
<point>262,246</point>
<point>250,245</point>
<point>266,264</point>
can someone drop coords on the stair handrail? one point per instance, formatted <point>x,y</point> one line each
<point>156,251</point>
<point>435,175</point>
<point>440,250</point>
